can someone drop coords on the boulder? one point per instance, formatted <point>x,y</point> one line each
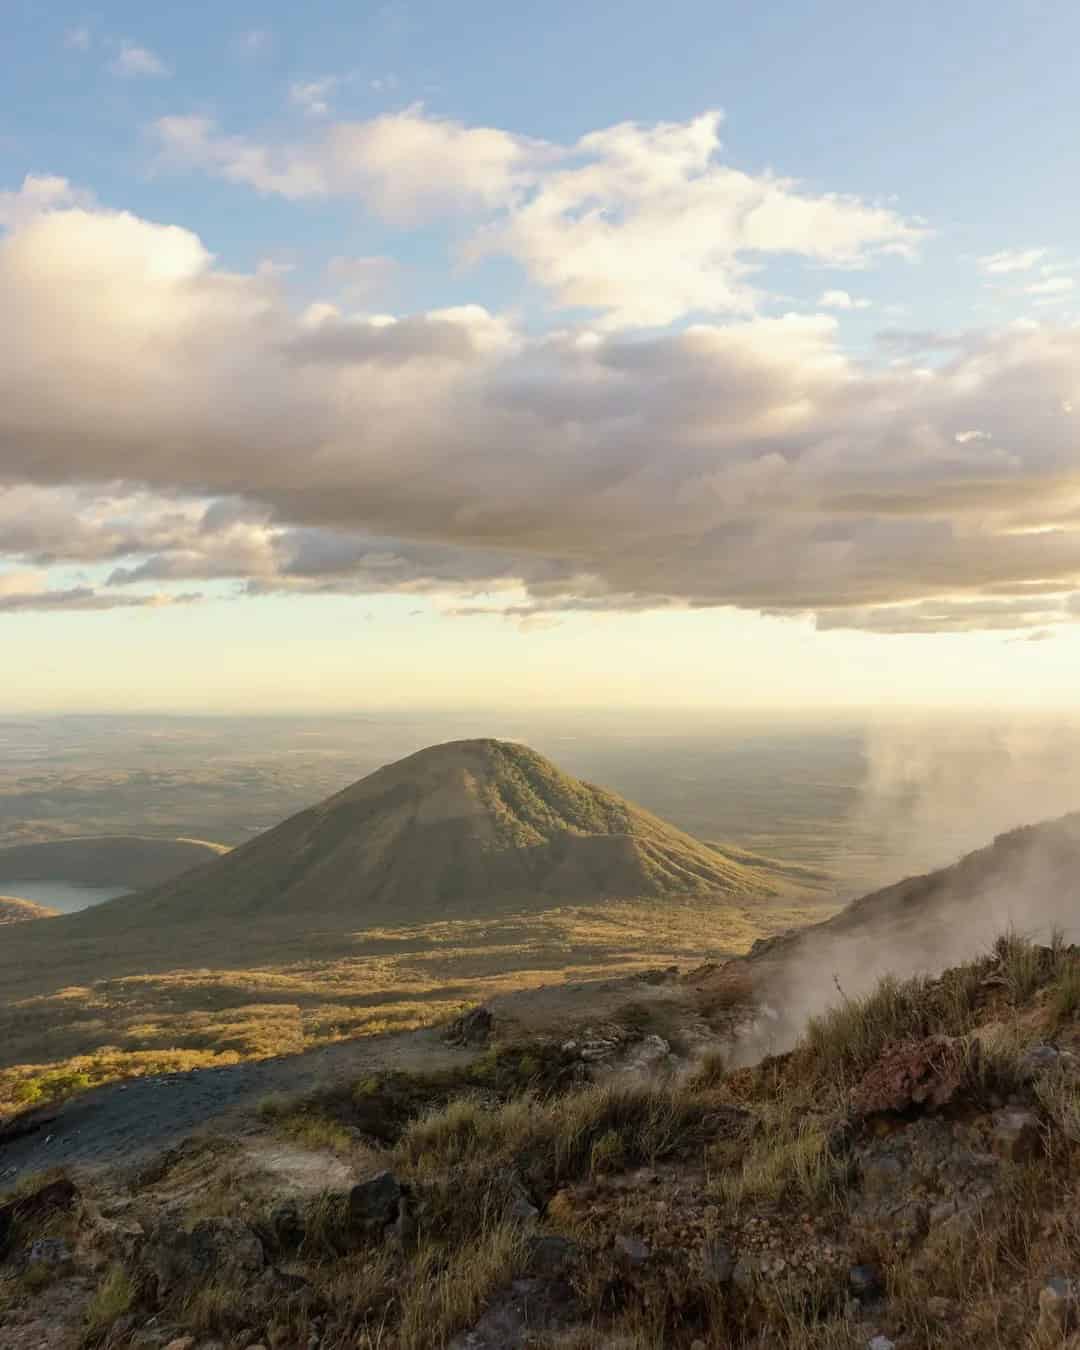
<point>219,1249</point>
<point>373,1204</point>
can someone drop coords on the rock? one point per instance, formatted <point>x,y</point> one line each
<point>880,1343</point>
<point>1058,1302</point>
<point>912,1073</point>
<point>182,1343</point>
<point>866,1282</point>
<point>1016,1135</point>
<point>220,1249</point>
<point>52,1254</point>
<point>552,1257</point>
<point>635,1251</point>
<point>373,1204</point>
<point>516,1314</point>
<point>471,1028</point>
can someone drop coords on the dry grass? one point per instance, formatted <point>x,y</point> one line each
<point>112,1298</point>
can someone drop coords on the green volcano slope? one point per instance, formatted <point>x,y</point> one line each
<point>455,830</point>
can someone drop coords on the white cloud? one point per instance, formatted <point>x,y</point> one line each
<point>750,463</point>
<point>641,223</point>
<point>1011,260</point>
<point>405,165</point>
<point>78,38</point>
<point>313,96</point>
<point>842,300</point>
<point>133,60</point>
<point>1050,286</point>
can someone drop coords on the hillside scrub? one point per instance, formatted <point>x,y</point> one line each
<point>908,1171</point>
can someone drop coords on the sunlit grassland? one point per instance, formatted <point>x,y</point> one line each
<point>110,1009</point>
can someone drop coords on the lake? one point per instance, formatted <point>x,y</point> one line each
<point>66,896</point>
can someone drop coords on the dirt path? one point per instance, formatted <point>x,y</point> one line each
<point>125,1120</point>
<point>144,1115</point>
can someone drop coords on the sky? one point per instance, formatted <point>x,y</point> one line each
<point>711,355</point>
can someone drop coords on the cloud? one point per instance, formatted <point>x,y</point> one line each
<point>363,276</point>
<point>313,96</point>
<point>841,300</point>
<point>209,431</point>
<point>642,223</point>
<point>78,38</point>
<point>1050,286</point>
<point>1011,260</point>
<point>406,166</point>
<point>23,592</point>
<point>133,60</point>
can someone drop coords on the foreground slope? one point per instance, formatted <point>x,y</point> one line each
<point>106,860</point>
<point>457,829</point>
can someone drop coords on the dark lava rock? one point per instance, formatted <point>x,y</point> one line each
<point>516,1314</point>
<point>373,1204</point>
<point>54,1198</point>
<point>215,1249</point>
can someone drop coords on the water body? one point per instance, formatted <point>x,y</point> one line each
<point>66,896</point>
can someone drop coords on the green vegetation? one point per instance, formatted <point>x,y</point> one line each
<point>113,1297</point>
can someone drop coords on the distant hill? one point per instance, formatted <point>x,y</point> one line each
<point>457,829</point>
<point>106,860</point>
<point>14,910</point>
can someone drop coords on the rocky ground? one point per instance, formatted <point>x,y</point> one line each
<point>590,1171</point>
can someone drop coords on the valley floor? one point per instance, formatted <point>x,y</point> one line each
<point>78,1012</point>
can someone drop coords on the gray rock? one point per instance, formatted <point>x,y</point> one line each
<point>880,1343</point>
<point>373,1204</point>
<point>48,1253</point>
<point>219,1249</point>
